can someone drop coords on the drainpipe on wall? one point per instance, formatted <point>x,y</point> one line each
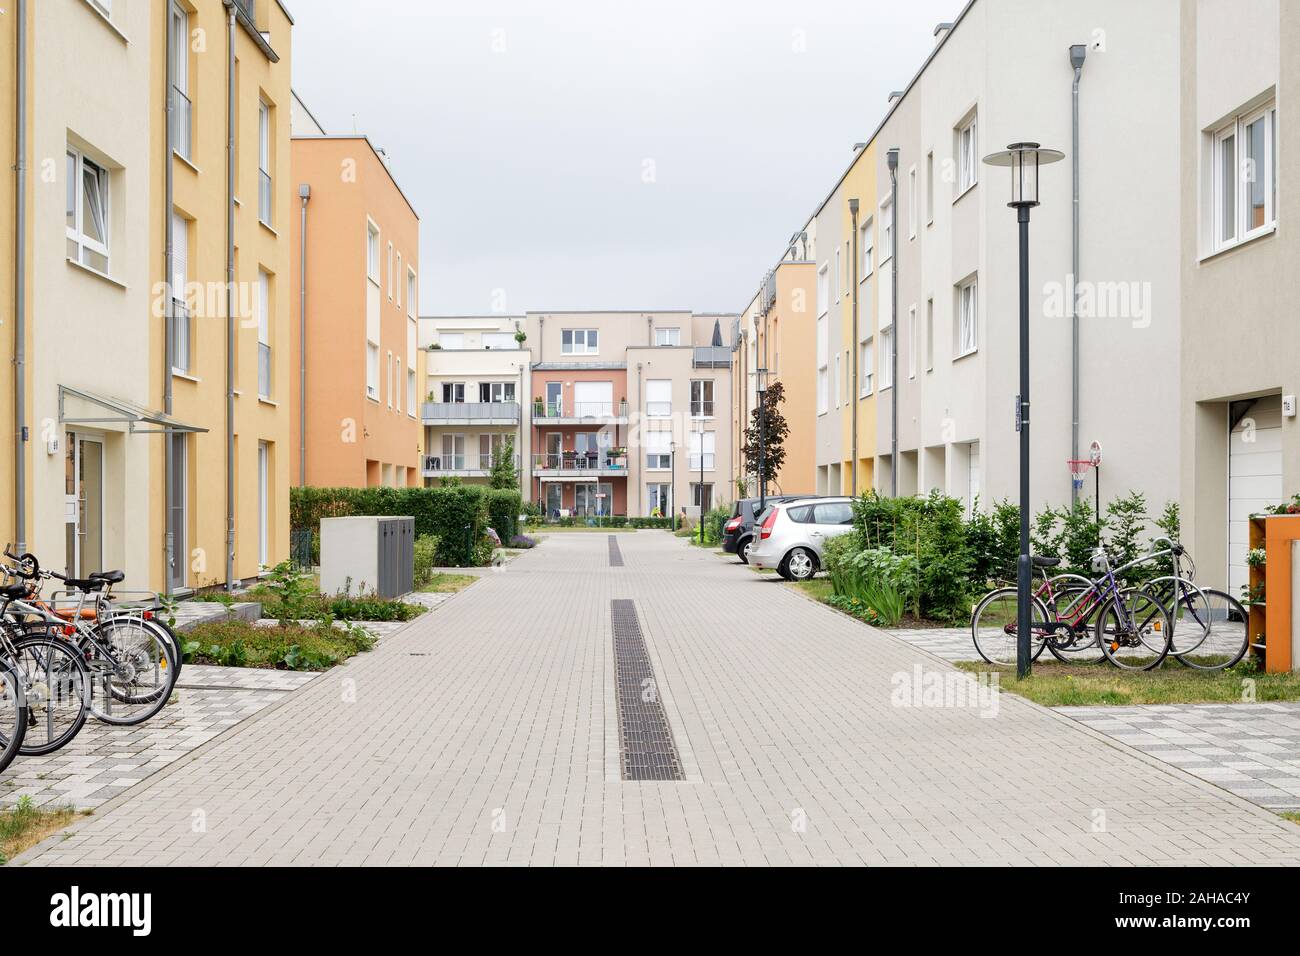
<point>649,330</point>
<point>230,295</point>
<point>304,193</point>
<point>853,344</point>
<point>169,307</point>
<point>892,160</point>
<point>541,338</point>
<point>20,287</point>
<point>1077,54</point>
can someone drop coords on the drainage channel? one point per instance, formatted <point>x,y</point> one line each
<point>615,554</point>
<point>646,747</point>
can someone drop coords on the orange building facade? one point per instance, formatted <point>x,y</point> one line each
<point>356,409</point>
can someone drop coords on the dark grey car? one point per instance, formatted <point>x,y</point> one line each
<point>738,532</point>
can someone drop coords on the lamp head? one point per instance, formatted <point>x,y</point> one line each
<point>1024,159</point>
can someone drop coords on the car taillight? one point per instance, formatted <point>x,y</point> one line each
<point>766,531</point>
<point>733,524</point>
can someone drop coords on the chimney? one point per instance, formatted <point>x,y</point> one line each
<point>941,31</point>
<point>895,96</point>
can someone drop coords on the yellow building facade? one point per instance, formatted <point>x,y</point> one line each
<point>229,370</point>
<point>858,338</point>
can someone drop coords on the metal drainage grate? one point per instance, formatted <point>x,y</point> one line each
<point>615,555</point>
<point>646,747</point>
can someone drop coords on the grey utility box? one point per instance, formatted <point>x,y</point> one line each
<point>367,555</point>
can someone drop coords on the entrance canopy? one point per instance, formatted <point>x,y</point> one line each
<point>78,407</point>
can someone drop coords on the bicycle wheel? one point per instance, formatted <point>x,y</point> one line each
<point>133,671</point>
<point>994,631</point>
<point>13,712</point>
<point>1227,638</point>
<point>57,685</point>
<point>1074,602</point>
<point>1189,612</point>
<point>1133,630</point>
<point>173,641</point>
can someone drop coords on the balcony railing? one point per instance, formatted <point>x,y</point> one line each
<point>181,338</point>
<point>182,130</point>
<point>460,464</point>
<point>702,409</point>
<point>264,196</point>
<point>263,370</point>
<point>456,413</point>
<point>659,409</point>
<point>555,410</point>
<point>693,461</point>
<point>608,461</point>
<point>712,356</point>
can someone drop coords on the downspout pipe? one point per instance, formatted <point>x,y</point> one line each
<point>853,358</point>
<point>169,307</point>
<point>20,286</point>
<point>892,159</point>
<point>304,193</point>
<point>230,295</point>
<point>1078,53</point>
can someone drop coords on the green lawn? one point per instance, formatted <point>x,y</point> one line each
<point>560,529</point>
<point>444,583</point>
<point>1054,684</point>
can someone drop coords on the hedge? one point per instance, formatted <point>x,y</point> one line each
<point>504,506</point>
<point>456,516</point>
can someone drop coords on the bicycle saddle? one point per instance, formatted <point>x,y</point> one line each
<point>86,584</point>
<point>109,577</point>
<point>1040,561</point>
<point>13,592</point>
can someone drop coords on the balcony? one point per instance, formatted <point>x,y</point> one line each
<point>579,413</point>
<point>462,466</point>
<point>592,464</point>
<point>712,356</point>
<point>464,413</point>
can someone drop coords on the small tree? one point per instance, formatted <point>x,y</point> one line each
<point>773,433</point>
<point>504,474</point>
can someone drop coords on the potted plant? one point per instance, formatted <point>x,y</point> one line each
<point>434,347</point>
<point>521,336</point>
<point>539,408</point>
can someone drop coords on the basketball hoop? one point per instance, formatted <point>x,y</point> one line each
<point>1079,468</point>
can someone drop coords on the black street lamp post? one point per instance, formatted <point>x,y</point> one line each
<point>760,385</point>
<point>1024,159</point>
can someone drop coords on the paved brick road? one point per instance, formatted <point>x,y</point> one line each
<point>486,733</point>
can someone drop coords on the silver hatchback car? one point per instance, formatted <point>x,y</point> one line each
<point>791,534</point>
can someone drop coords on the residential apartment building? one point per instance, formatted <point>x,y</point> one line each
<point>88,163</point>
<point>777,332</point>
<point>630,412</point>
<point>221,216</point>
<point>473,397</point>
<point>356,382</point>
<point>15,515</point>
<point>1240,359</point>
<point>1002,73</point>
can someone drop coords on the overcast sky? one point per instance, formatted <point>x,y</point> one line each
<point>607,155</point>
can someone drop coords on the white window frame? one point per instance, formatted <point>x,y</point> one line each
<point>697,446</point>
<point>1244,177</point>
<point>658,407</point>
<point>887,225</point>
<point>412,399</point>
<point>454,341</point>
<point>264,503</point>
<point>399,280</point>
<point>397,386</point>
<point>372,251</point>
<point>658,454</point>
<point>887,346</point>
<point>911,341</point>
<point>664,337</point>
<point>866,366</point>
<point>837,277</point>
<point>455,387</point>
<point>929,334</point>
<point>912,202</point>
<point>267,215</point>
<point>590,342</point>
<point>389,370</point>
<point>823,290</point>
<point>698,405</point>
<point>390,271</point>
<point>179,25</point>
<point>411,292</point>
<point>867,241</point>
<point>967,136</point>
<point>76,233</point>
<point>929,188</point>
<point>966,341</point>
<point>372,370</point>
<point>264,333</point>
<point>823,365</point>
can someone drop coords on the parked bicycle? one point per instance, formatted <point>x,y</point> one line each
<point>1209,626</point>
<point>1086,621</point>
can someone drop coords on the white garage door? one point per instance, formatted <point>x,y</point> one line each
<point>1254,479</point>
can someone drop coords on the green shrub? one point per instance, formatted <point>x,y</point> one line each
<point>426,553</point>
<point>504,507</point>
<point>873,578</point>
<point>714,521</point>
